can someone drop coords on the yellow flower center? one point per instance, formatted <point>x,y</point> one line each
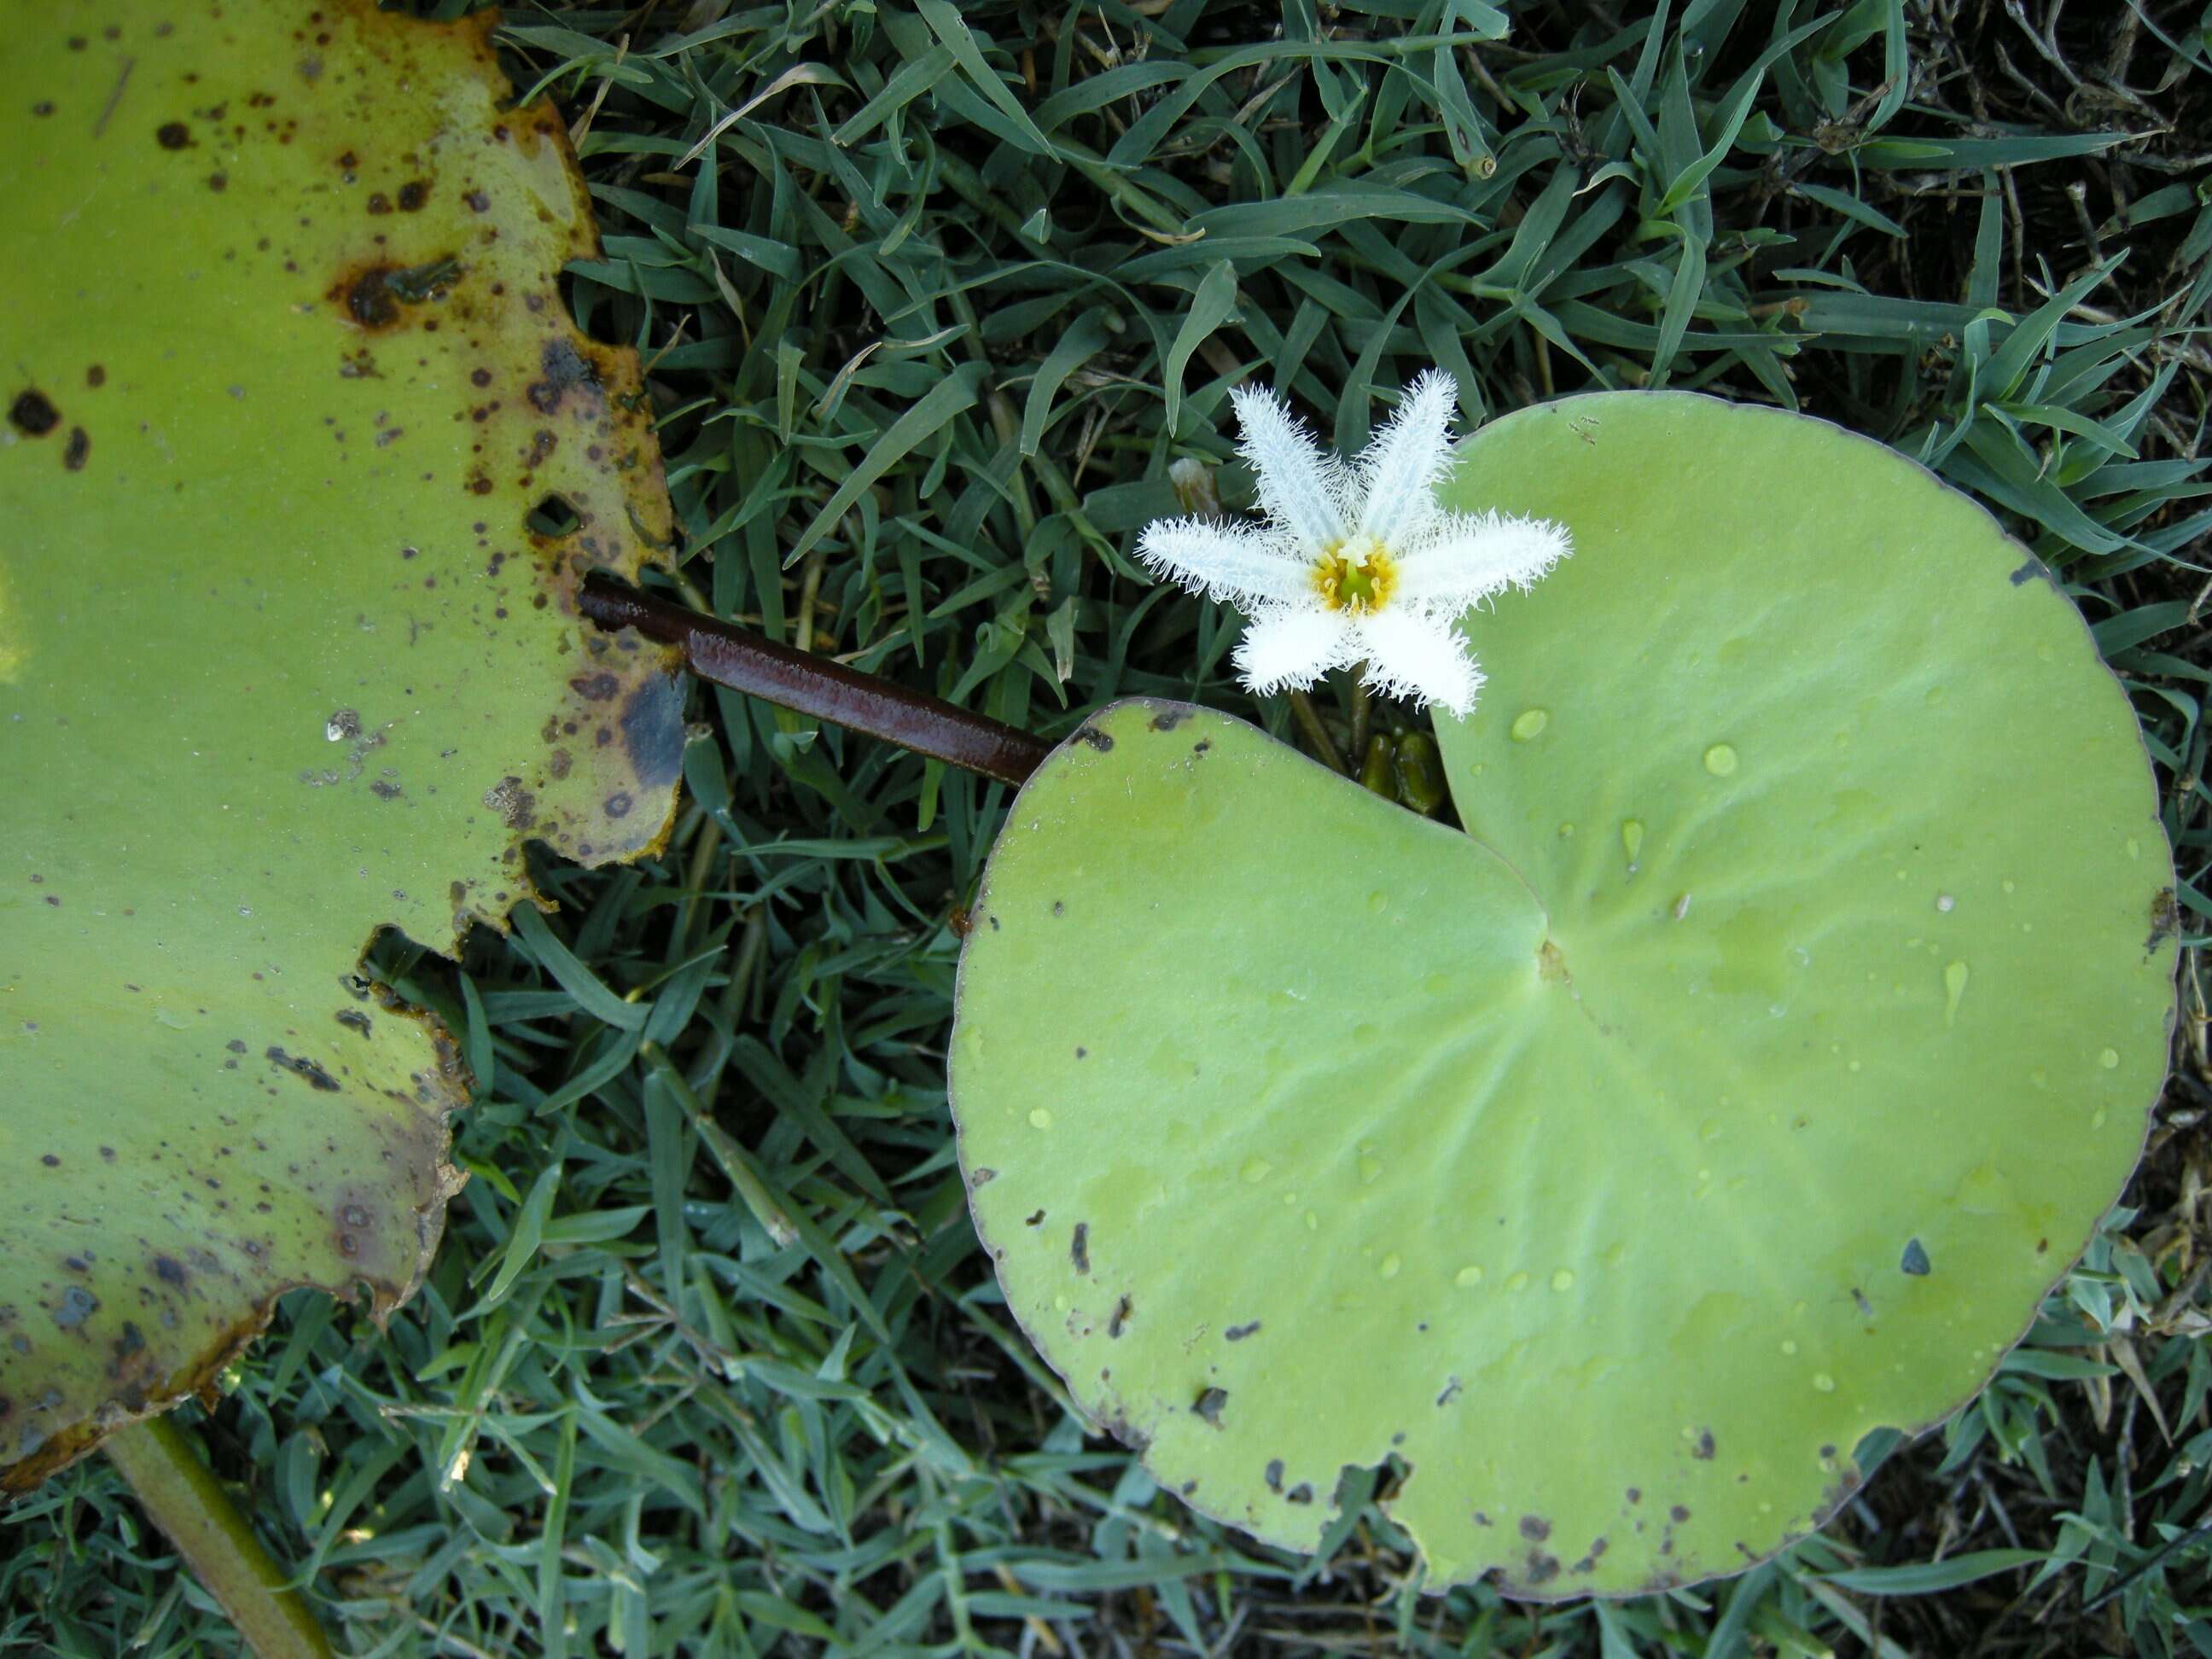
<point>1357,575</point>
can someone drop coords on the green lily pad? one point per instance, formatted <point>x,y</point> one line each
<point>1737,1086</point>
<point>281,661</point>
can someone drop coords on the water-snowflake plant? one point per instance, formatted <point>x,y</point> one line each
<point>1356,560</point>
<point>1733,1083</point>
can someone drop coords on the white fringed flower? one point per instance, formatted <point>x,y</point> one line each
<point>1356,561</point>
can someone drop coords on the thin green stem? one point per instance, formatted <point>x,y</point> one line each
<point>183,1499</point>
<point>1324,746</point>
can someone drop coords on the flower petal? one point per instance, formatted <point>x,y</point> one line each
<point>1412,655</point>
<point>1298,489</point>
<point>1462,557</point>
<point>1291,645</point>
<point>1402,466</point>
<point>1238,562</point>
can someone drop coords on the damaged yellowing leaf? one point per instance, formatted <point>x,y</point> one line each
<point>287,371</point>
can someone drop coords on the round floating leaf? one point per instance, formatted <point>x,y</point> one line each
<point>1736,1087</point>
<point>281,660</point>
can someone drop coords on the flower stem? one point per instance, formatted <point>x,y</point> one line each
<point>1324,746</point>
<point>820,686</point>
<point>188,1505</point>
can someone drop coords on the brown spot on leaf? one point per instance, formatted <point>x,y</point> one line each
<point>1703,1450</point>
<point>1121,1318</point>
<point>126,1346</point>
<point>369,298</point>
<point>564,369</point>
<point>375,296</point>
<point>1543,1568</point>
<point>77,1305</point>
<point>1535,1526</point>
<point>1208,1406</point>
<point>1274,1474</point>
<point>79,450</point>
<point>172,135</point>
<point>1078,1247</point>
<point>299,1066</point>
<point>516,806</point>
<point>2165,918</point>
<point>1238,1333</point>
<point>413,194</point>
<point>1678,1513</point>
<point>1094,738</point>
<point>33,415</point>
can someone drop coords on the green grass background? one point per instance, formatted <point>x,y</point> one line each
<point>932,295</point>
